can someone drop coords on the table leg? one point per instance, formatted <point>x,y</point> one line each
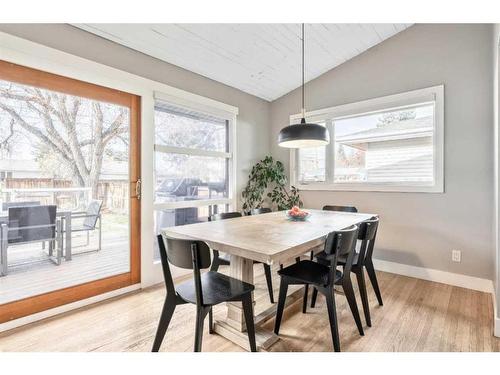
<point>67,233</point>
<point>233,327</point>
<point>3,249</point>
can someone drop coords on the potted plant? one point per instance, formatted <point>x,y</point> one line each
<point>267,179</point>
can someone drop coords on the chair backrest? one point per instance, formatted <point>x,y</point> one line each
<point>341,243</point>
<point>31,223</point>
<point>185,254</point>
<point>92,214</point>
<point>7,205</point>
<point>340,208</point>
<point>367,234</point>
<point>224,216</point>
<point>262,210</point>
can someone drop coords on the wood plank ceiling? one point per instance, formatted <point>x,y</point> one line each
<point>261,59</point>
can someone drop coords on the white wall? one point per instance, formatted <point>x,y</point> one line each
<point>253,119</point>
<point>496,125</point>
<point>421,229</point>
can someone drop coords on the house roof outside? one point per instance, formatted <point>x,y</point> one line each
<point>413,128</point>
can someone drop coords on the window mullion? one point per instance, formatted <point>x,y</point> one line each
<point>330,153</point>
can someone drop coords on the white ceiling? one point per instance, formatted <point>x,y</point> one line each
<point>261,59</point>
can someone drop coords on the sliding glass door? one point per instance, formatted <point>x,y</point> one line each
<point>69,190</point>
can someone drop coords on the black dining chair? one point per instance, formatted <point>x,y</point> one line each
<point>225,260</point>
<point>340,208</point>
<point>204,290</point>
<point>324,278</point>
<point>262,210</point>
<point>362,260</point>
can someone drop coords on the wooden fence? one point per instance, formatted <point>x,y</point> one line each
<point>114,194</point>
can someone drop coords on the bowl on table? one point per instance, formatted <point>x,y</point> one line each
<point>296,214</point>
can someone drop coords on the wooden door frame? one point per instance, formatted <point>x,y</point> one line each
<point>33,77</point>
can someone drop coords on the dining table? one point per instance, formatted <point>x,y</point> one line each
<point>271,238</point>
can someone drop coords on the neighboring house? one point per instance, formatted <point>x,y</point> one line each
<point>395,152</point>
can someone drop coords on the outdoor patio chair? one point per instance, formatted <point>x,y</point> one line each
<point>89,224</point>
<point>28,225</point>
<point>7,205</point>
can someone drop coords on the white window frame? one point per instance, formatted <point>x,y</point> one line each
<point>230,155</point>
<point>433,94</point>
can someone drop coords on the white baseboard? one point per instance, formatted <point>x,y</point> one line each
<point>455,279</point>
<point>65,308</point>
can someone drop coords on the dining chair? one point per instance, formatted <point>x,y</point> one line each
<point>204,290</point>
<point>324,278</point>
<point>224,259</point>
<point>261,210</point>
<point>366,234</point>
<point>340,208</point>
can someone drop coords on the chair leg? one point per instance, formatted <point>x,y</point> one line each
<point>360,275</point>
<point>166,316</point>
<point>304,300</point>
<point>351,299</point>
<point>332,316</point>
<point>198,334</point>
<point>210,321</point>
<point>281,305</point>
<point>373,279</point>
<point>51,248</point>
<point>313,297</point>
<point>248,311</point>
<point>215,262</point>
<point>269,280</point>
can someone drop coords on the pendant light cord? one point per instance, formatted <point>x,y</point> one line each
<point>303,69</point>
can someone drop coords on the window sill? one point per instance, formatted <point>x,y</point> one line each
<point>371,188</point>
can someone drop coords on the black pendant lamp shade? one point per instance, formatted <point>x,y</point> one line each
<point>303,134</point>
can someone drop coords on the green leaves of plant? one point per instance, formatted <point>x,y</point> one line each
<point>269,174</point>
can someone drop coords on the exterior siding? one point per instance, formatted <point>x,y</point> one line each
<point>400,160</point>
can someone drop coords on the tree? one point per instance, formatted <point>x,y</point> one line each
<point>71,131</point>
<point>390,117</point>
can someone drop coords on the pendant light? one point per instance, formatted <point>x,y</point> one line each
<point>304,134</point>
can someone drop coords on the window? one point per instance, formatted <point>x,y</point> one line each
<point>393,143</point>
<point>193,165</point>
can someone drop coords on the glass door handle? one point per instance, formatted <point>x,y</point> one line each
<point>138,187</point>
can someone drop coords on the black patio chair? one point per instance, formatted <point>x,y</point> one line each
<point>204,290</point>
<point>7,205</point>
<point>225,260</point>
<point>28,225</point>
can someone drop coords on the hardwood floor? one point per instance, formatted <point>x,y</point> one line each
<point>417,315</point>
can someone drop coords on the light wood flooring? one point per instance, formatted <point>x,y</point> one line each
<point>417,315</point>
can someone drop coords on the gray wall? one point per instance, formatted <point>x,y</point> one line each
<point>421,229</point>
<point>253,118</point>
<point>417,229</point>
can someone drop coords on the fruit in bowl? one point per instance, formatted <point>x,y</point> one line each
<point>297,214</point>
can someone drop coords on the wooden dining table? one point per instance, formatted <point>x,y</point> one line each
<point>269,238</point>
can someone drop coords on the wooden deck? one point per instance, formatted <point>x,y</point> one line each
<point>31,273</point>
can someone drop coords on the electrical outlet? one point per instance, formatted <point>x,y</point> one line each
<point>456,255</point>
